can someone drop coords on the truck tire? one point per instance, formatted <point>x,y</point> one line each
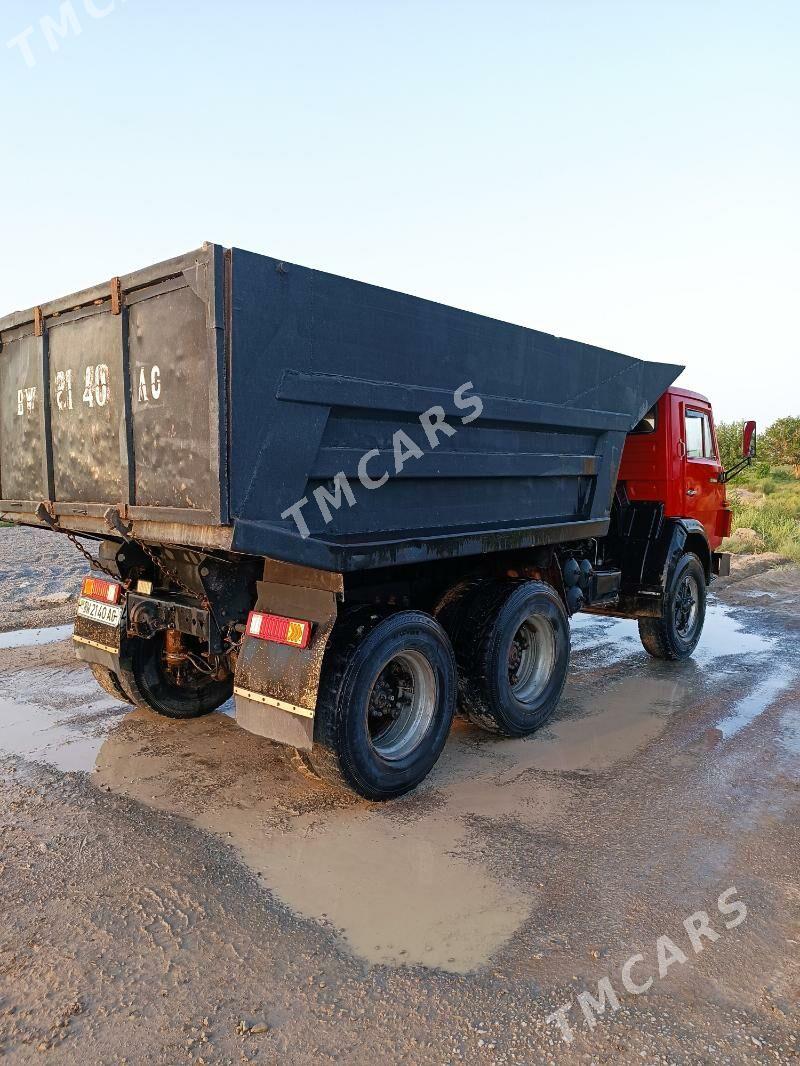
<point>150,684</point>
<point>386,700</point>
<point>109,682</point>
<point>512,652</point>
<point>675,634</point>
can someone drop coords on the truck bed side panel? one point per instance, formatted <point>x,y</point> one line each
<point>171,360</point>
<point>324,369</point>
<point>87,408</point>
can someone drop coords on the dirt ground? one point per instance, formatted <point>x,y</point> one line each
<point>176,892</point>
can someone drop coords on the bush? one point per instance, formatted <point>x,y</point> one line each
<point>778,530</point>
<point>768,487</point>
<point>781,473</point>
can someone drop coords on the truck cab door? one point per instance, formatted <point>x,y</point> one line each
<point>703,493</point>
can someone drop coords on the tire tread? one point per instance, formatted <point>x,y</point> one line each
<point>109,682</point>
<point>350,629</point>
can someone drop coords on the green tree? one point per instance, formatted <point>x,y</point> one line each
<point>729,439</point>
<point>781,443</point>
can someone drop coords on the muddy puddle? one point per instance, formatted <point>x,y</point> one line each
<point>406,883</point>
<point>613,640</point>
<point>401,883</point>
<point>613,727</point>
<point>749,707</point>
<point>40,735</point>
<point>398,892</point>
<point>51,709</point>
<point>30,638</point>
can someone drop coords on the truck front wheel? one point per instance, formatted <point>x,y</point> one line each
<point>674,635</point>
<point>512,650</point>
<point>174,690</point>
<point>386,700</point>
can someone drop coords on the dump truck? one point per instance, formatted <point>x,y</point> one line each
<point>354,511</point>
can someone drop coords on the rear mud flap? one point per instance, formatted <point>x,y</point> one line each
<point>97,643</point>
<point>89,634</point>
<point>88,652</point>
<point>275,687</point>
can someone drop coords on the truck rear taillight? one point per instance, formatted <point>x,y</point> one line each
<point>278,629</point>
<point>97,588</point>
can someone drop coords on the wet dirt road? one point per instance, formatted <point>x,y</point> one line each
<point>176,892</point>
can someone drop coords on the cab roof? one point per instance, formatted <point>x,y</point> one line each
<point>675,390</point>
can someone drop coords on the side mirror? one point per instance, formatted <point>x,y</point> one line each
<point>749,440</point>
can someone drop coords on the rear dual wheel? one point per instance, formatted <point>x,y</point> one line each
<point>386,700</point>
<point>512,647</point>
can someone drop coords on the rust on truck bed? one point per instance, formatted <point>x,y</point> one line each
<point>190,534</point>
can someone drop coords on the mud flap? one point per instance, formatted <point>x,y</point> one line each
<point>97,643</point>
<point>275,686</point>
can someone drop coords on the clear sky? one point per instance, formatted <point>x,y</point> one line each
<point>622,173</point>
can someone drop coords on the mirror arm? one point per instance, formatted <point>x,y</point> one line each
<point>729,475</point>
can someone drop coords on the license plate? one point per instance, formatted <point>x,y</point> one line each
<point>106,613</point>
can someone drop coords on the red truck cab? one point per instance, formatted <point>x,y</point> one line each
<point>672,456</point>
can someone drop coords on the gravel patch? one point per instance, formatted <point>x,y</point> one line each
<point>40,578</point>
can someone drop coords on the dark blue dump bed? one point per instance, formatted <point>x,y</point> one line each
<point>210,395</point>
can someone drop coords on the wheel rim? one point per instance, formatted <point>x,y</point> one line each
<point>531,659</point>
<point>687,607</point>
<point>401,705</point>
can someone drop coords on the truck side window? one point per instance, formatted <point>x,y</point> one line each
<point>699,442</point>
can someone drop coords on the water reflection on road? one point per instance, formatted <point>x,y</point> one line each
<point>402,883</point>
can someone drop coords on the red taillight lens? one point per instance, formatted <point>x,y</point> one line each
<point>278,629</point>
<point>97,588</point>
